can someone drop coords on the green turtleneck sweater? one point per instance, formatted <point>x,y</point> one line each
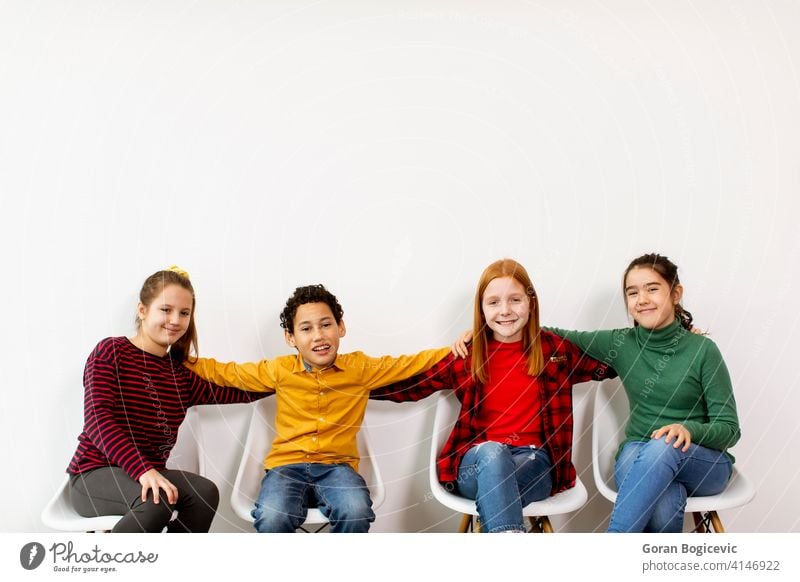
<point>671,375</point>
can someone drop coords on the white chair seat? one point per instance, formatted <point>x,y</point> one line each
<point>59,514</point>
<point>610,416</point>
<point>251,468</point>
<point>447,408</point>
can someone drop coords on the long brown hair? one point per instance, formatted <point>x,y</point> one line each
<point>186,346</point>
<point>669,272</point>
<point>531,342</point>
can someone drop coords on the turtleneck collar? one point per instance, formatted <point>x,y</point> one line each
<point>661,338</point>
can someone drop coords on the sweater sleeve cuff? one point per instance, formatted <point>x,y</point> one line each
<point>695,429</point>
<point>137,471</point>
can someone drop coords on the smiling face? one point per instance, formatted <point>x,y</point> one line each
<point>316,334</point>
<point>165,320</point>
<point>506,309</point>
<point>650,301</point>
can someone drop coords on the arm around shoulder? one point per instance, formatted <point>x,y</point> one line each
<point>443,375</point>
<point>379,372</point>
<point>260,376</point>
<point>599,344</point>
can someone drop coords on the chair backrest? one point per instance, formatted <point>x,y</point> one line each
<point>608,431</point>
<point>611,411</point>
<point>189,452</point>
<point>251,468</point>
<point>447,408</point>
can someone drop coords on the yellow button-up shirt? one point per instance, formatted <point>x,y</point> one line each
<point>318,412</point>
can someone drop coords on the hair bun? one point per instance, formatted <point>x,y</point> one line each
<point>179,271</point>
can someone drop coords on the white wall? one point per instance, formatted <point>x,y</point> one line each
<point>392,150</point>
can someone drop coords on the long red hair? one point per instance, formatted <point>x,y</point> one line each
<point>531,342</point>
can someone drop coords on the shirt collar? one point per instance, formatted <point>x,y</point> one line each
<point>301,365</point>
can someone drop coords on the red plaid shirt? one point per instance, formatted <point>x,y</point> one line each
<point>565,365</point>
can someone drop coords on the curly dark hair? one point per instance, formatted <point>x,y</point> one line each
<point>309,294</point>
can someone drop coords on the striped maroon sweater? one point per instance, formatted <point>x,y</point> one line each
<point>134,403</point>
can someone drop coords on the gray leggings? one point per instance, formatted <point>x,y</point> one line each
<point>110,491</point>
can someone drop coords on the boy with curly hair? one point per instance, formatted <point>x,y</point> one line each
<point>321,399</point>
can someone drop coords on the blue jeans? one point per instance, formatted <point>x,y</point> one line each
<point>337,491</point>
<point>502,479</point>
<point>654,479</point>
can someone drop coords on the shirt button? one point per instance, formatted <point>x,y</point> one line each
<point>321,392</point>
<point>321,419</point>
<point>313,438</point>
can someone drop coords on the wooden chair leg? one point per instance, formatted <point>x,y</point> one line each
<point>699,526</point>
<point>535,525</point>
<point>707,522</point>
<point>547,527</point>
<point>716,522</point>
<point>540,524</point>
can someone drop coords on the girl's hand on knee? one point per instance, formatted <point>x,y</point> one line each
<point>675,431</point>
<point>461,346</point>
<point>153,480</point>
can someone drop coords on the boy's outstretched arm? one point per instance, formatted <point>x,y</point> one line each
<point>451,372</point>
<point>256,377</point>
<point>377,372</point>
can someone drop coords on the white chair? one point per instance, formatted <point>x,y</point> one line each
<point>447,408</point>
<point>59,514</point>
<point>611,412</point>
<point>251,468</point>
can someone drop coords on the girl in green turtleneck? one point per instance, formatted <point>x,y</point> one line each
<point>682,411</point>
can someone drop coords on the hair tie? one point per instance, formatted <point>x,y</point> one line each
<point>179,271</point>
